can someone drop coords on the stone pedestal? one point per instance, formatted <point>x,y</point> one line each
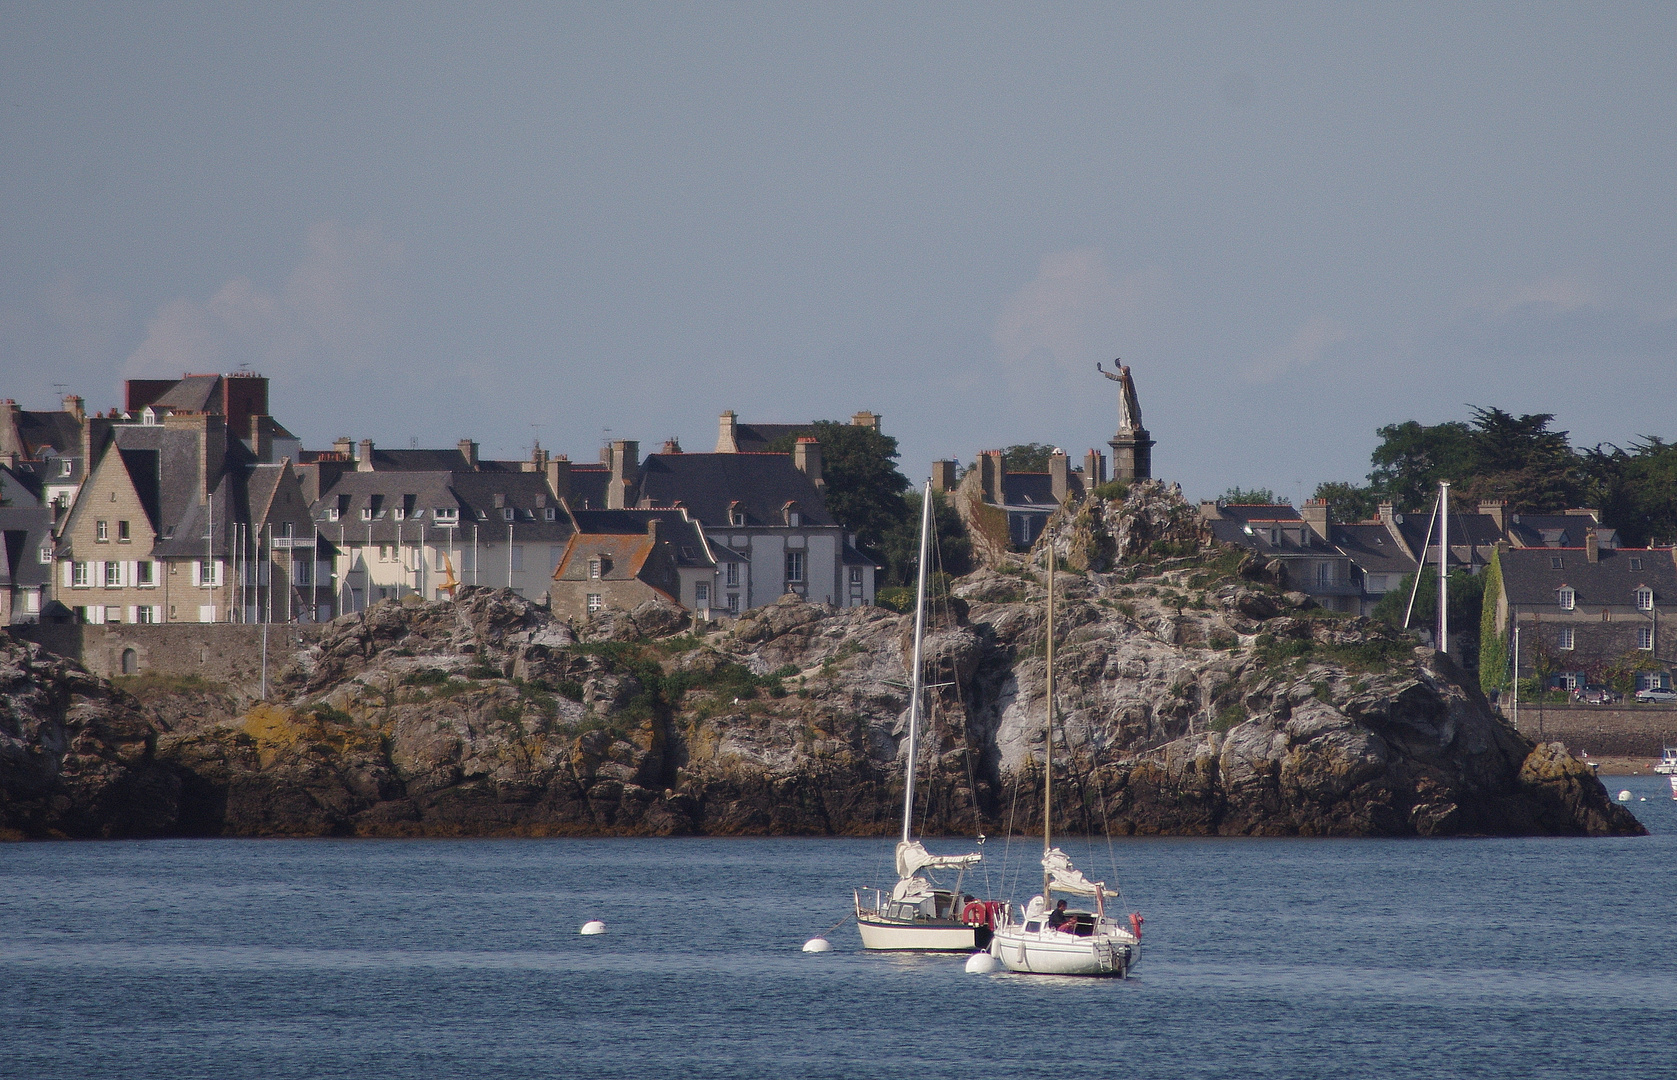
<point>1132,455</point>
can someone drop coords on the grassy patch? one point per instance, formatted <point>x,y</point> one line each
<point>157,682</point>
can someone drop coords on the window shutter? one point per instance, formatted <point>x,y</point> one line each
<point>69,571</point>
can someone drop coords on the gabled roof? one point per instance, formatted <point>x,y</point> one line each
<point>707,484</point>
<point>1373,549</point>
<point>1557,530</point>
<point>1258,539</point>
<point>56,429</point>
<point>1244,512</point>
<point>686,539</point>
<point>755,438</point>
<point>419,461</point>
<point>1028,490</point>
<point>24,531</point>
<point>1530,578</point>
<point>195,393</point>
<point>472,495</point>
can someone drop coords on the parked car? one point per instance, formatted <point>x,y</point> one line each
<point>1598,695</point>
<point>1659,696</point>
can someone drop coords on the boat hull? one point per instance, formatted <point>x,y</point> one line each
<point>887,935</point>
<point>1054,953</point>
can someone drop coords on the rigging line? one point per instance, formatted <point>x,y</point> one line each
<point>1422,565</point>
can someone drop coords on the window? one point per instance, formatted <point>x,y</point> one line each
<point>101,531</point>
<point>1636,564</point>
<point>113,614</point>
<point>1568,680</point>
<point>145,615</point>
<point>733,574</point>
<point>1645,599</point>
<point>332,513</point>
<point>794,519</point>
<point>518,556</point>
<point>367,512</point>
<point>1564,597</point>
<point>78,575</point>
<point>551,513</point>
<point>446,513</point>
<point>1565,637</point>
<point>399,513</point>
<point>736,516</point>
<point>206,573</point>
<point>594,603</point>
<point>856,576</point>
<point>733,603</point>
<point>123,536</point>
<point>701,595</point>
<point>794,566</point>
<point>113,575</point>
<point>286,530</point>
<point>508,513</point>
<point>594,569</point>
<point>66,467</point>
<point>1324,573</point>
<point>384,553</point>
<point>143,576</point>
<point>1645,638</point>
<point>1556,563</point>
<point>300,572</point>
<point>46,555</point>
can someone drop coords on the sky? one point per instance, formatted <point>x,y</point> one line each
<point>572,222</point>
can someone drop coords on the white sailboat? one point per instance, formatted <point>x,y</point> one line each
<point>1082,940</point>
<point>918,914</point>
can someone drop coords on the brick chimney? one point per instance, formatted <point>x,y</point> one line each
<point>727,435</point>
<point>345,446</point>
<point>468,450</point>
<point>365,462</point>
<point>74,405</point>
<point>10,440</point>
<point>806,455</point>
<point>1094,469</point>
<point>865,419</point>
<point>943,475</point>
<point>261,437</point>
<point>992,474</point>
<point>1059,474</point>
<point>559,476</point>
<point>1317,515</point>
<point>625,474</point>
<point>537,462</point>
<point>1497,511</point>
<point>1592,547</point>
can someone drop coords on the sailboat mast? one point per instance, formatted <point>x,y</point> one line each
<point>919,633</point>
<point>1048,743</point>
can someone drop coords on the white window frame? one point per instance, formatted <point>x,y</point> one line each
<point>1567,640</point>
<point>101,532</point>
<point>595,602</point>
<point>145,574</point>
<point>1645,638</point>
<point>594,568</point>
<point>1644,599</point>
<point>79,574</point>
<point>701,594</point>
<point>733,575</point>
<point>1566,599</point>
<point>795,568</point>
<point>111,575</point>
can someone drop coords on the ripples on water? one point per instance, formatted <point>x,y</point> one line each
<point>281,959</point>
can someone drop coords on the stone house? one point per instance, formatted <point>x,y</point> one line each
<point>239,398</point>
<point>1315,564</point>
<point>26,558</point>
<point>176,522</point>
<point>49,445</point>
<point>621,558</point>
<point>1584,610</point>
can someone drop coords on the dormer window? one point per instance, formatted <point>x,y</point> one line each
<point>594,569</point>
<point>550,513</point>
<point>446,513</point>
<point>1565,598</point>
<point>1635,564</point>
<point>398,513</point>
<point>736,514</point>
<point>66,466</point>
<point>508,513</point>
<point>794,519</point>
<point>1556,563</point>
<point>148,417</point>
<point>1644,599</point>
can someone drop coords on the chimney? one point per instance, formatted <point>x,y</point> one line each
<point>365,462</point>
<point>727,435</point>
<point>625,474</point>
<point>343,445</point>
<point>992,476</point>
<point>806,455</point>
<point>261,438</point>
<point>10,440</point>
<point>1592,547</point>
<point>1094,469</point>
<point>672,445</point>
<point>1320,519</point>
<point>1497,511</point>
<point>1210,510</point>
<point>211,432</point>
<point>74,405</point>
<point>943,475</point>
<point>559,476</point>
<point>865,419</point>
<point>468,450</point>
<point>537,462</point>
<point>1059,475</point>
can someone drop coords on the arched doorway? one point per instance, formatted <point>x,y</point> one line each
<point>130,661</point>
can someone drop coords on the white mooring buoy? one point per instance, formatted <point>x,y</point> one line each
<point>593,926</point>
<point>818,944</point>
<point>982,963</point>
<point>1624,796</point>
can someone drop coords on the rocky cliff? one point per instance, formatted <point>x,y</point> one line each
<point>1196,696</point>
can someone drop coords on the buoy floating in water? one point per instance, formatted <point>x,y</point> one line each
<point>1624,796</point>
<point>818,944</point>
<point>593,926</point>
<point>982,963</point>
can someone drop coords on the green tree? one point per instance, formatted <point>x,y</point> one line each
<point>1467,597</point>
<point>1412,458</point>
<point>1027,457</point>
<point>1239,496</point>
<point>1636,489</point>
<point>864,488</point>
<point>951,548</point>
<point>1348,502</point>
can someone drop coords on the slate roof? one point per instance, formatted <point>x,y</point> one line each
<point>1028,491</point>
<point>1244,512</point>
<point>24,531</point>
<point>707,484</point>
<point>57,429</point>
<point>686,539</point>
<point>1530,578</point>
<point>1234,532</point>
<point>195,393</point>
<point>755,438</point>
<point>1372,549</point>
<point>588,486</point>
<point>470,494</point>
<point>1557,530</point>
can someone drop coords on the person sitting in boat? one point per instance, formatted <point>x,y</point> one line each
<point>1061,919</point>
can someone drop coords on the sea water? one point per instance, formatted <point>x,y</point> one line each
<point>439,959</point>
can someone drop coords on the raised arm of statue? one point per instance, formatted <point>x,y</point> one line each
<point>1129,406</point>
<point>1113,375</point>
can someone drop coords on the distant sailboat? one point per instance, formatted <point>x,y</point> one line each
<point>1074,941</point>
<point>918,915</point>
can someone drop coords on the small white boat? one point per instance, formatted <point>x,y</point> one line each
<point>1086,940</point>
<point>918,915</point>
<point>1668,766</point>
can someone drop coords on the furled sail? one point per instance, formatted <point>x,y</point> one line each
<point>913,857</point>
<point>1067,878</point>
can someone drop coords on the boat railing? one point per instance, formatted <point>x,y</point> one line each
<point>878,900</point>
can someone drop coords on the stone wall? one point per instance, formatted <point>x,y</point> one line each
<point>1634,731</point>
<point>225,653</point>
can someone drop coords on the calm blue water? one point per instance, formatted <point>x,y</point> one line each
<point>278,959</point>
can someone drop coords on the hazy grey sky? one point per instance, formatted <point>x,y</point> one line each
<point>1295,222</point>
